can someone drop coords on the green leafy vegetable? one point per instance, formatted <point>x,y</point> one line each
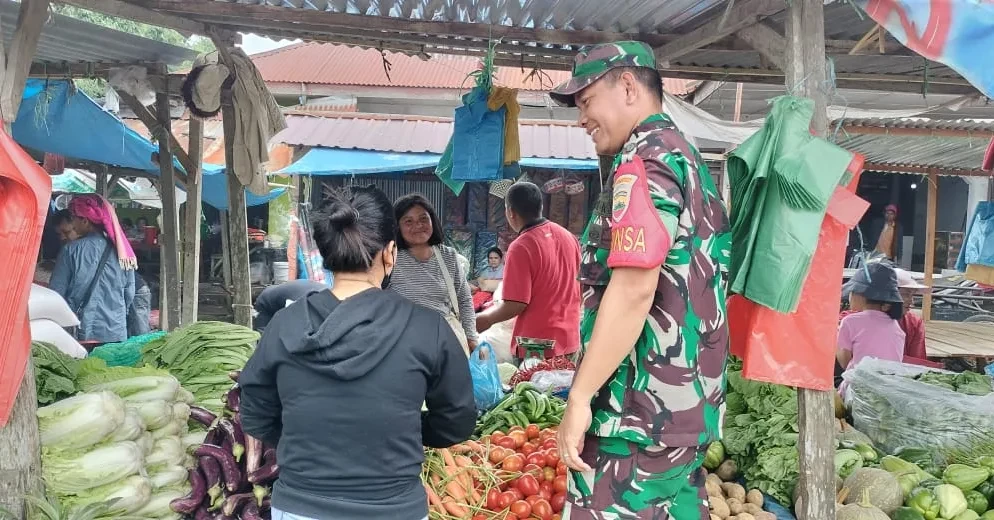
<point>55,373</point>
<point>134,385</point>
<point>125,496</point>
<point>80,421</point>
<point>71,473</point>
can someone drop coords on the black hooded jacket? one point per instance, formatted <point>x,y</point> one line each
<point>338,386</point>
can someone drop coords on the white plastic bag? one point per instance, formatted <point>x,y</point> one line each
<point>46,304</point>
<point>551,380</point>
<point>50,332</point>
<point>499,336</point>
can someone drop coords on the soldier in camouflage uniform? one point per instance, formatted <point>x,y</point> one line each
<point>649,393</point>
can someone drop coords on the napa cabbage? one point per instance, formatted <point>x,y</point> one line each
<point>80,421</point>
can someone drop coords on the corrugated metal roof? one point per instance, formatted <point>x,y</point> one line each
<point>944,149</point>
<point>331,64</point>
<point>68,40</point>
<point>393,133</point>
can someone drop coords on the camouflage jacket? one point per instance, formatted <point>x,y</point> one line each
<point>662,208</point>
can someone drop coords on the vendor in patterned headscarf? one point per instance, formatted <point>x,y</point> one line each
<point>95,273</point>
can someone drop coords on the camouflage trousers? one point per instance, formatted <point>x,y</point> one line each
<point>632,482</point>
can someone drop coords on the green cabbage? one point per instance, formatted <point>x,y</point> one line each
<point>124,496</point>
<point>146,443</point>
<point>181,412</point>
<point>185,396</point>
<point>132,428</point>
<point>71,473</point>
<point>168,476</point>
<point>132,384</point>
<point>193,440</point>
<point>158,505</point>
<point>156,414</point>
<point>80,421</point>
<point>168,451</point>
<point>172,429</point>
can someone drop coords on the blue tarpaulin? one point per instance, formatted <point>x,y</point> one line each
<point>337,161</point>
<point>54,119</point>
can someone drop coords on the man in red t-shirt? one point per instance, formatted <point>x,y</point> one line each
<point>541,270</point>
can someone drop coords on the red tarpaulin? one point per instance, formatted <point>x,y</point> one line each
<point>25,191</point>
<point>798,349</point>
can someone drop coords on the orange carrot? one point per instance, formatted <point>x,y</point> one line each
<point>433,497</point>
<point>455,490</point>
<point>454,509</point>
<point>447,458</point>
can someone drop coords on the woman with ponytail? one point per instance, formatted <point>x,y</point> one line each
<point>95,273</point>
<point>339,377</point>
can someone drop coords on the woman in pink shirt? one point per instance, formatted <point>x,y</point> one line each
<point>872,330</point>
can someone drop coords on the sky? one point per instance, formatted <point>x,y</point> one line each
<point>253,44</point>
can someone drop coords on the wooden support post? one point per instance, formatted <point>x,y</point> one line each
<point>930,216</point>
<point>20,447</point>
<point>237,222</point>
<point>805,76</point>
<point>191,224</point>
<point>170,316</point>
<point>102,188</point>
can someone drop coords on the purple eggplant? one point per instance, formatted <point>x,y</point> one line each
<point>212,476</point>
<point>265,474</point>
<point>260,494</point>
<point>229,468</point>
<point>234,436</point>
<point>269,456</point>
<point>253,453</point>
<point>202,514</point>
<point>202,416</point>
<point>251,512</point>
<point>234,503</point>
<point>213,436</point>
<point>233,399</point>
<point>191,502</point>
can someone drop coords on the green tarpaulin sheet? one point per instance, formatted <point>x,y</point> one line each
<point>781,181</point>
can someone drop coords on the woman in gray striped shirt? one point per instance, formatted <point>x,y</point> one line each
<point>427,272</point>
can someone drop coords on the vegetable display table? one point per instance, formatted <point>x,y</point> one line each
<point>947,339</point>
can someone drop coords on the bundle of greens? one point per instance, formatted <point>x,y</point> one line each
<point>760,434</point>
<point>201,355</point>
<point>55,373</point>
<point>969,383</point>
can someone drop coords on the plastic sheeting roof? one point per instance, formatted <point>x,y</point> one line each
<point>56,119</point>
<point>336,161</point>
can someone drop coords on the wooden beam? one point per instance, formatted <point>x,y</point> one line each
<point>805,71</point>
<point>741,15</point>
<point>854,128</point>
<point>241,280</point>
<point>151,121</point>
<point>119,9</point>
<point>20,462</point>
<point>705,90</point>
<point>766,41</point>
<point>245,13</point>
<point>924,169</point>
<point>20,53</point>
<point>191,225</point>
<point>931,212</point>
<point>169,240</point>
<point>867,39</point>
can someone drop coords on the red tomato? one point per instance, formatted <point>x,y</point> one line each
<point>480,516</point>
<point>545,490</point>
<point>557,516</point>
<point>513,463</point>
<point>548,474</point>
<point>495,436</point>
<point>559,484</point>
<point>516,492</point>
<point>519,438</point>
<point>511,517</point>
<point>561,468</point>
<point>558,502</point>
<point>516,429</point>
<point>507,442</point>
<point>527,485</point>
<point>493,500</point>
<point>552,458</point>
<point>533,470</point>
<point>521,509</point>
<point>532,499</point>
<point>537,459</point>
<point>550,444</point>
<point>506,499</point>
<point>497,454</point>
<point>527,449</point>
<point>533,431</point>
<point>542,510</point>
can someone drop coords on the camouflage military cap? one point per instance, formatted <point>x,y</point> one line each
<point>592,63</point>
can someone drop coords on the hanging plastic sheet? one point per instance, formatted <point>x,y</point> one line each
<point>478,139</point>
<point>798,348</point>
<point>978,246</point>
<point>25,192</point>
<point>477,196</point>
<point>497,220</point>
<point>462,240</point>
<point>454,208</point>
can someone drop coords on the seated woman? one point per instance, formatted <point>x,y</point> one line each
<point>872,329</point>
<point>488,279</point>
<point>339,377</point>
<point>911,323</point>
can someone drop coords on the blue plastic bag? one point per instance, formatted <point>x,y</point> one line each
<point>487,388</point>
<point>478,140</point>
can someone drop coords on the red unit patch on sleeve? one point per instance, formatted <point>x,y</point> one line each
<point>638,236</point>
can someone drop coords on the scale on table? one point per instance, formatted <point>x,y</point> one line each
<point>535,350</point>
